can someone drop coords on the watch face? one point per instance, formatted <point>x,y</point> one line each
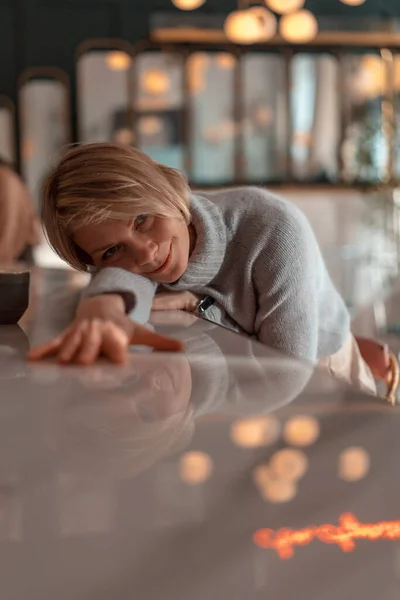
<point>205,304</point>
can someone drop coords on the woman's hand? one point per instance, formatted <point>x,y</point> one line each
<point>176,301</point>
<point>101,328</point>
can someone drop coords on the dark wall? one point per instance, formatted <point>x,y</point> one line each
<point>47,32</point>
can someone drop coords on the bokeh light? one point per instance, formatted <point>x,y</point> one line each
<point>301,431</point>
<point>195,468</point>
<point>255,432</point>
<point>289,463</point>
<point>155,82</point>
<point>225,61</point>
<point>278,491</point>
<point>353,2</point>
<point>150,125</point>
<point>353,464</point>
<point>250,26</point>
<point>284,7</point>
<point>299,27</point>
<point>118,61</point>
<point>188,4</point>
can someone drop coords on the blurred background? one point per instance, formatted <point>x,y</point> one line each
<point>302,96</point>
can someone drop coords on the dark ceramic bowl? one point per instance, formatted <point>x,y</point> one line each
<point>14,295</point>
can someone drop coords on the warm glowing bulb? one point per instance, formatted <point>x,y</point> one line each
<point>195,467</point>
<point>150,125</point>
<point>250,26</point>
<point>299,27</point>
<point>370,80</point>
<point>225,61</point>
<point>353,2</point>
<point>266,20</point>
<point>124,136</point>
<point>199,61</point>
<point>255,432</point>
<point>284,7</point>
<point>188,4</point>
<point>155,82</point>
<point>354,464</point>
<point>263,116</point>
<point>118,61</point>
<point>301,431</point>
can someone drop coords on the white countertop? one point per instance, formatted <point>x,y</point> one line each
<point>142,481</point>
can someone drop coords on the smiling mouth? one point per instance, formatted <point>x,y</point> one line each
<point>165,264</point>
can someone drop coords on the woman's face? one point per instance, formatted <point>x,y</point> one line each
<point>157,248</point>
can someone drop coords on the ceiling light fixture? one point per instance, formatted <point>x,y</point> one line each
<point>250,26</point>
<point>188,4</point>
<point>284,7</point>
<point>299,27</point>
<point>353,2</point>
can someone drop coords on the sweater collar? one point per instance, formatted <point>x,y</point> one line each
<point>209,251</point>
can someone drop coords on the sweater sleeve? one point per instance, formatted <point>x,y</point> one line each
<point>287,275</point>
<point>137,291</point>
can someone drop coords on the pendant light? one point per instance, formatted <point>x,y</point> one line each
<point>284,7</point>
<point>299,27</point>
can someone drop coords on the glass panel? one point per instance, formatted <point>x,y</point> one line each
<point>397,116</point>
<point>265,118</point>
<point>211,80</point>
<point>365,152</point>
<point>103,97</point>
<point>7,149</point>
<point>44,128</point>
<point>315,114</point>
<point>158,104</point>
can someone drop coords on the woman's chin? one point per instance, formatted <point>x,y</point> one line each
<point>172,275</point>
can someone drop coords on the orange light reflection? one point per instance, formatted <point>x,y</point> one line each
<point>283,541</point>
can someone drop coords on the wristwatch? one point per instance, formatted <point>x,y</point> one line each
<point>205,304</point>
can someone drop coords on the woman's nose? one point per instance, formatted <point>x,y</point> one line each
<point>144,252</point>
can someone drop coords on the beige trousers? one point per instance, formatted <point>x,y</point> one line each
<point>348,365</point>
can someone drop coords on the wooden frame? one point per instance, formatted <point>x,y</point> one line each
<point>8,104</point>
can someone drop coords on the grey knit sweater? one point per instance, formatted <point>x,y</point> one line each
<point>257,256</point>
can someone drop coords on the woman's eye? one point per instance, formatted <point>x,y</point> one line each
<point>140,220</point>
<point>110,253</point>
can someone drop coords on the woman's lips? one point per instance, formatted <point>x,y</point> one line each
<point>165,265</point>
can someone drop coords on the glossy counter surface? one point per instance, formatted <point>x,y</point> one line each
<point>172,476</point>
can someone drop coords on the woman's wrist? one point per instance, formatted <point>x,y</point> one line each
<point>104,306</point>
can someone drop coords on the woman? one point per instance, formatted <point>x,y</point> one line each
<point>242,258</point>
<point>19,225</point>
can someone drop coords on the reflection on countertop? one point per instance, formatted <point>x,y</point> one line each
<point>151,479</point>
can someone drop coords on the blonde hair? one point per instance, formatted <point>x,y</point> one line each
<point>101,181</point>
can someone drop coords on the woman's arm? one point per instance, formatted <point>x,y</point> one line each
<point>136,291</point>
<point>287,276</point>
<point>101,326</point>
